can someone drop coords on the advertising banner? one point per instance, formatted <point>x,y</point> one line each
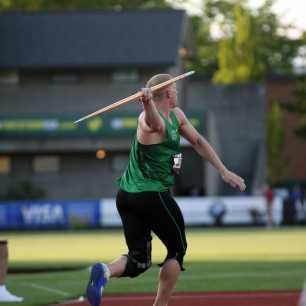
<point>111,125</point>
<point>209,211</point>
<point>49,214</point>
<point>103,213</point>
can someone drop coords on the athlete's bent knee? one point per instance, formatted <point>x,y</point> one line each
<point>134,267</point>
<point>178,256</point>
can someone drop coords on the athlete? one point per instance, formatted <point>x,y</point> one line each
<point>144,201</point>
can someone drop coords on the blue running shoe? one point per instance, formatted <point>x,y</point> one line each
<point>96,284</point>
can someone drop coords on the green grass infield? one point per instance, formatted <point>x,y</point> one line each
<point>50,267</point>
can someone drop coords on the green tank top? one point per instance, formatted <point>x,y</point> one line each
<point>150,166</point>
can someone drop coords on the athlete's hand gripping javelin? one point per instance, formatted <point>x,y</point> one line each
<point>146,95</point>
<point>151,116</point>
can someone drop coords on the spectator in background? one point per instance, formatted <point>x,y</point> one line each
<point>303,202</point>
<point>217,211</point>
<point>269,196</point>
<point>298,198</point>
<point>297,192</point>
<point>290,216</point>
<point>5,295</point>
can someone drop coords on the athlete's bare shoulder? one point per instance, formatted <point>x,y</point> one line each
<point>141,116</point>
<point>142,123</point>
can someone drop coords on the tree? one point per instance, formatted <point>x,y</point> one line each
<point>204,60</point>
<point>253,38</point>
<point>275,50</point>
<point>237,54</point>
<point>275,143</point>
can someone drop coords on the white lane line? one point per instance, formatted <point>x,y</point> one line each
<point>36,286</point>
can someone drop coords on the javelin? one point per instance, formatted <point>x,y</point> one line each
<point>135,96</point>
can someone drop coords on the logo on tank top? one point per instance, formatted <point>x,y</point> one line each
<point>173,134</point>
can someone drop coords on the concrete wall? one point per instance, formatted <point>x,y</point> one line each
<point>239,128</point>
<point>80,98</point>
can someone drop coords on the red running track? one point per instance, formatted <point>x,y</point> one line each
<point>256,298</point>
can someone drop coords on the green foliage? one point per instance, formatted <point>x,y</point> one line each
<point>49,5</point>
<point>204,61</point>
<point>237,55</point>
<point>5,4</point>
<point>275,143</point>
<point>250,45</point>
<point>274,49</point>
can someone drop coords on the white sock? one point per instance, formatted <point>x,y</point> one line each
<point>2,287</point>
<point>107,272</point>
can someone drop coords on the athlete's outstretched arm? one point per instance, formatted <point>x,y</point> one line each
<point>205,150</point>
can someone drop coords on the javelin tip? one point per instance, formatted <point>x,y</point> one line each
<point>79,120</point>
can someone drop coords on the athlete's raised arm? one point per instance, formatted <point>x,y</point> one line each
<point>150,119</point>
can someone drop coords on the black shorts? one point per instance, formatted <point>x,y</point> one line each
<point>158,212</point>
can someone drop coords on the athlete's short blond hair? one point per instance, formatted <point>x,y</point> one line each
<point>157,79</point>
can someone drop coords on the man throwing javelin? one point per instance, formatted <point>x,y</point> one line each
<point>144,201</point>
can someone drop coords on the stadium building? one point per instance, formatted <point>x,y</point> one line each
<point>57,67</point>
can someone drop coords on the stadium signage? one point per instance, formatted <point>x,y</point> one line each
<point>49,214</point>
<point>108,125</point>
<point>102,213</point>
<point>43,214</point>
